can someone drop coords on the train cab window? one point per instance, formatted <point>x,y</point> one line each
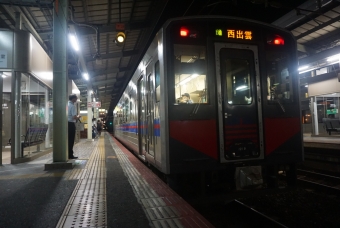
<point>238,81</point>
<point>279,80</point>
<point>190,74</point>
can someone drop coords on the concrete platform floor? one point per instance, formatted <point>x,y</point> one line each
<point>32,197</point>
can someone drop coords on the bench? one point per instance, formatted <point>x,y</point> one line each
<point>331,125</point>
<point>34,136</point>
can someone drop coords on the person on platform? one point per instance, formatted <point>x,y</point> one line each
<point>72,118</point>
<point>99,127</point>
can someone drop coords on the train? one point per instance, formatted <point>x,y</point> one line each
<point>216,96</point>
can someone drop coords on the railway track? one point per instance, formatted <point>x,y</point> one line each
<point>235,214</point>
<point>319,180</point>
<point>249,217</point>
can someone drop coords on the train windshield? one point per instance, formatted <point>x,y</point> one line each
<point>190,74</point>
<point>238,81</point>
<point>279,78</point>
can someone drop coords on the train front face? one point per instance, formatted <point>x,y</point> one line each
<point>232,95</point>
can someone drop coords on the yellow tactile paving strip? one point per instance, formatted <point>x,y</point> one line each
<point>87,205</point>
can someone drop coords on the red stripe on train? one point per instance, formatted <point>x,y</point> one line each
<point>240,126</point>
<point>277,131</point>
<point>198,134</point>
<point>240,131</point>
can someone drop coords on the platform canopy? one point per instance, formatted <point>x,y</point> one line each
<point>315,23</point>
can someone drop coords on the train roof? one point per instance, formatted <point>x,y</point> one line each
<point>214,17</point>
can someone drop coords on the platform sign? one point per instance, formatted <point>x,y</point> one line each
<point>332,111</point>
<point>97,104</point>
<point>84,119</point>
<point>120,26</point>
<point>3,59</point>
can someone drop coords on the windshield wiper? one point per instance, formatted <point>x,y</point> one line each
<point>281,106</point>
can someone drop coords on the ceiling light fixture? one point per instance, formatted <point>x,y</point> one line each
<point>303,68</point>
<point>86,76</point>
<point>74,42</point>
<point>333,58</point>
<point>120,38</point>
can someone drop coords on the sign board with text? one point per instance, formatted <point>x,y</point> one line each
<point>94,104</point>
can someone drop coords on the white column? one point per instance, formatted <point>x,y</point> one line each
<point>60,97</point>
<point>1,112</point>
<point>16,116</point>
<point>89,114</point>
<point>47,118</point>
<point>315,113</point>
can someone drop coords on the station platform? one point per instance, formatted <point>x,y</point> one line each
<point>108,187</point>
<point>322,142</point>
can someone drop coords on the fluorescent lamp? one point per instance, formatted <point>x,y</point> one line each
<point>306,85</point>
<point>86,76</point>
<point>333,58</point>
<point>74,42</point>
<point>303,68</point>
<point>241,87</point>
<point>185,81</point>
<point>83,112</point>
<point>75,91</point>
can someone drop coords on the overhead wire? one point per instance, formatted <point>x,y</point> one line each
<point>188,7</point>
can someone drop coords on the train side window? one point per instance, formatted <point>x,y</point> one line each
<point>127,110</point>
<point>190,74</point>
<point>279,80</point>
<point>157,81</point>
<point>130,111</point>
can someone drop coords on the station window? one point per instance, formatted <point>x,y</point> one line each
<point>279,79</point>
<point>190,74</point>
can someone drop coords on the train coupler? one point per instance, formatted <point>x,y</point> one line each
<point>248,177</point>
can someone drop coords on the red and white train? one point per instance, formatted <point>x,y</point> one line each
<point>215,94</point>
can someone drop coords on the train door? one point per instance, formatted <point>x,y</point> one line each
<point>141,112</point>
<point>239,95</point>
<point>149,147</point>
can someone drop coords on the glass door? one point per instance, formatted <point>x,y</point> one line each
<point>141,113</point>
<point>240,110</point>
<point>150,115</point>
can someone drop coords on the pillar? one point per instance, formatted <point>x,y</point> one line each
<point>314,112</point>
<point>89,113</point>
<point>1,99</point>
<point>47,118</point>
<point>16,116</point>
<point>60,98</point>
